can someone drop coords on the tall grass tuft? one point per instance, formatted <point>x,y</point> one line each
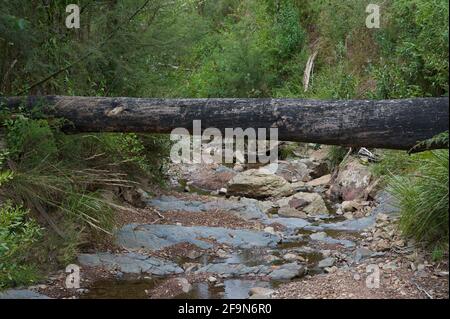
<point>335,156</point>
<point>422,197</point>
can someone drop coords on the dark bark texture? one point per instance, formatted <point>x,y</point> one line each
<point>394,124</point>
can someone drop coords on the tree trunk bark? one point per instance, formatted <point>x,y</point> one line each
<point>394,124</point>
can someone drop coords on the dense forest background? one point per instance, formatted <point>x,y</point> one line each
<point>191,48</point>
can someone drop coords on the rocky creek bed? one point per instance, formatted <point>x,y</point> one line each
<point>239,232</point>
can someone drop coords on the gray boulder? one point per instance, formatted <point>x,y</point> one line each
<point>130,263</point>
<point>259,183</point>
<point>287,271</point>
<point>21,294</point>
<point>156,237</point>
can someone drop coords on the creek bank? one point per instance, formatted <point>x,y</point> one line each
<point>253,232</point>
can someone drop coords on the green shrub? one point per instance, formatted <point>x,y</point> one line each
<point>60,177</point>
<point>393,162</point>
<point>248,56</point>
<point>18,234</point>
<point>414,42</point>
<point>422,197</point>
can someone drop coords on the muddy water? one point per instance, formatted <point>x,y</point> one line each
<point>120,289</point>
<point>135,289</point>
<point>231,289</point>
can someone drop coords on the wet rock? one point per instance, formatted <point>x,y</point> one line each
<point>320,154</point>
<point>156,237</point>
<point>184,284</point>
<point>291,212</point>
<point>321,181</point>
<point>348,216</point>
<point>212,279</point>
<point>254,205</point>
<point>222,254</point>
<point>260,292</point>
<point>318,236</point>
<point>293,171</point>
<point>291,224</point>
<point>382,217</point>
<point>22,294</point>
<point>287,271</point>
<point>234,269</point>
<point>386,204</point>
<point>323,237</point>
<point>298,203</point>
<point>209,177</point>
<point>130,263</point>
<point>258,183</point>
<point>290,257</point>
<point>194,254</point>
<point>270,230</point>
<point>371,192</point>
<point>270,259</point>
<point>351,206</point>
<point>312,204</point>
<point>362,253</point>
<point>190,267</point>
<point>319,169</point>
<point>352,181</point>
<point>330,270</point>
<point>381,245</point>
<point>245,208</point>
<point>327,262</point>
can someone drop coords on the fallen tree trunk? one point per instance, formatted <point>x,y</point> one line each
<point>394,124</point>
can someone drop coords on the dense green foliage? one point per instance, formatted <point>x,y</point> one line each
<point>192,48</point>
<point>17,235</point>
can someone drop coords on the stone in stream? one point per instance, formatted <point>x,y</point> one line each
<point>291,224</point>
<point>259,183</point>
<point>311,204</point>
<point>287,271</point>
<point>287,211</point>
<point>186,287</point>
<point>283,272</point>
<point>351,205</point>
<point>290,257</point>
<point>234,269</point>
<point>260,293</point>
<point>156,237</point>
<point>293,171</point>
<point>245,208</point>
<point>265,206</point>
<point>327,262</point>
<point>130,263</point>
<point>361,253</point>
<point>323,237</point>
<point>321,181</point>
<point>352,180</point>
<point>21,294</point>
<point>386,205</point>
<point>207,177</point>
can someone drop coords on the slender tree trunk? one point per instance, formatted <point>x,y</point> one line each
<point>395,124</point>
